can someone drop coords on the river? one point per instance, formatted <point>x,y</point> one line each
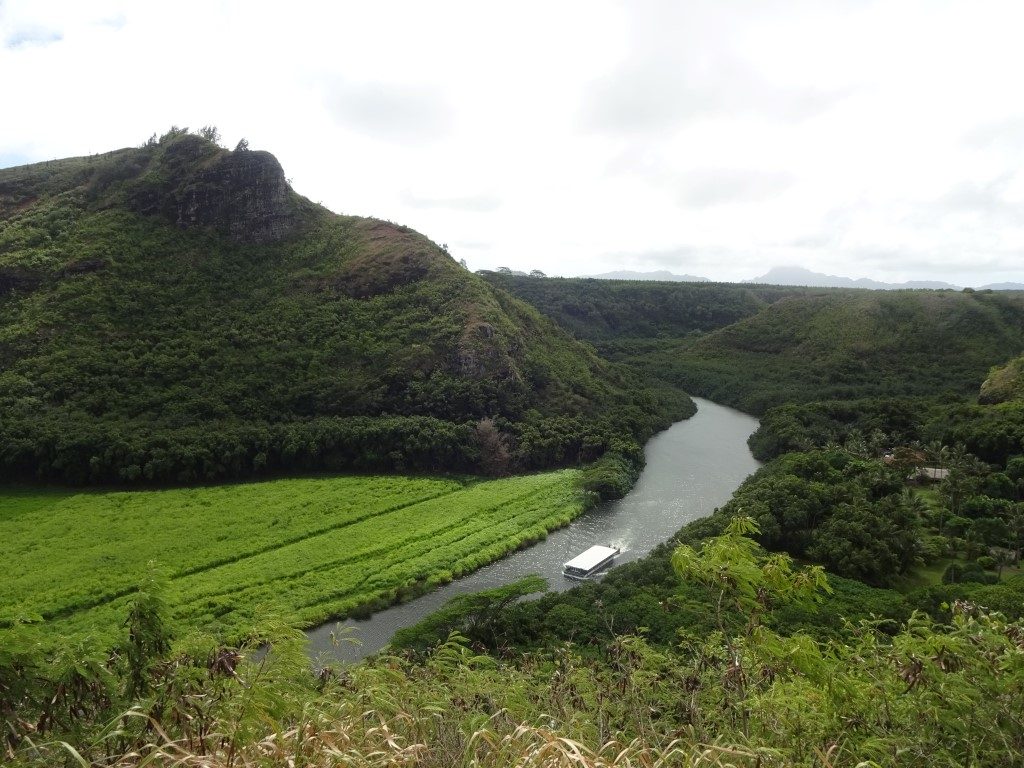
<point>692,468</point>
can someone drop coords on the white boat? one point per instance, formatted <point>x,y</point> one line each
<point>590,562</point>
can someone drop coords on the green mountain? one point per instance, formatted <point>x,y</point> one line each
<point>850,345</point>
<point>608,312</point>
<point>757,346</point>
<point>176,312</point>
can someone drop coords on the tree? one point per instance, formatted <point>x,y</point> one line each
<point>242,145</point>
<point>210,133</point>
<point>1003,558</point>
<point>149,637</point>
<point>495,456</point>
<point>735,567</point>
<point>536,273</point>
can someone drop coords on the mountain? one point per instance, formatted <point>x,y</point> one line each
<point>1002,287</point>
<point>660,275</point>
<point>805,277</point>
<point>754,346</point>
<point>849,345</point>
<point>176,312</point>
<point>603,311</point>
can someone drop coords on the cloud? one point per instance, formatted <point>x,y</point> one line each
<point>31,35</point>
<point>717,186</point>
<point>660,96</point>
<point>397,112</point>
<point>482,203</point>
<point>1005,134</point>
<point>986,199</point>
<point>638,99</point>
<point>703,137</point>
<point>472,245</point>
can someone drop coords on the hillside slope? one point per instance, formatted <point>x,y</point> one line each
<point>846,345</point>
<point>756,346</point>
<point>176,312</point>
<point>608,312</point>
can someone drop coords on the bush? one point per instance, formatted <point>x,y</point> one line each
<point>611,476</point>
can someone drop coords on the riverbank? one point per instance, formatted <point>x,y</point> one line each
<point>692,468</point>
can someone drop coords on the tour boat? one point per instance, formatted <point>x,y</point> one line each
<point>590,562</point>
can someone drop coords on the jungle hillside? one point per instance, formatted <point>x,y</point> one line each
<point>175,313</point>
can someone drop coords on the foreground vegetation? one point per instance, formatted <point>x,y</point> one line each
<point>304,550</point>
<point>945,694</point>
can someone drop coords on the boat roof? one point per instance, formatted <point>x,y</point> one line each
<point>592,557</point>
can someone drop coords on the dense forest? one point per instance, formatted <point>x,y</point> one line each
<point>176,313</point>
<point>755,347</point>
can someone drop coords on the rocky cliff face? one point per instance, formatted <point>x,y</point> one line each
<point>197,184</point>
<point>243,193</point>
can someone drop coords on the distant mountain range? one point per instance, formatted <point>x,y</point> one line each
<point>662,275</point>
<point>803,276</point>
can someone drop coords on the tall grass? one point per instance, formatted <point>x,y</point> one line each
<point>307,550</point>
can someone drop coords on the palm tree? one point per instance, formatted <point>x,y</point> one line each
<point>1003,558</point>
<point>937,453</point>
<point>914,504</point>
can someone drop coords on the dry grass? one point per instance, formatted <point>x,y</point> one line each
<point>368,741</point>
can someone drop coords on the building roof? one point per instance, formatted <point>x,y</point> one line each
<point>931,473</point>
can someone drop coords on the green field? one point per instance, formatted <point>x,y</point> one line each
<point>304,550</point>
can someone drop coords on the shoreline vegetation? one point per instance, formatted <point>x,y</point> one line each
<point>301,549</point>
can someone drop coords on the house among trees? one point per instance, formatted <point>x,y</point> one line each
<point>935,474</point>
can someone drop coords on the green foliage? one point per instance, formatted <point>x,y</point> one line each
<point>149,637</point>
<point>1004,383</point>
<point>890,422</point>
<point>309,550</point>
<point>731,566</point>
<point>849,345</point>
<point>847,513</point>
<point>137,347</point>
<point>757,347</point>
<point>993,433</point>
<point>474,613</point>
<point>603,311</point>
<point>611,476</point>
<point>938,694</point>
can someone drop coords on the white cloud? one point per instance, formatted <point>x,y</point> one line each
<point>876,138</point>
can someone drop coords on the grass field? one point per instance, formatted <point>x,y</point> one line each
<point>303,550</point>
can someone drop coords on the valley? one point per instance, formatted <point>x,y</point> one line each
<point>230,415</point>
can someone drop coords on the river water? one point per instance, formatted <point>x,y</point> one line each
<point>692,467</point>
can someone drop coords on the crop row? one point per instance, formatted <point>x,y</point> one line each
<point>344,544</point>
<point>82,549</point>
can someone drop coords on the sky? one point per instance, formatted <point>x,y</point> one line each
<point>716,138</point>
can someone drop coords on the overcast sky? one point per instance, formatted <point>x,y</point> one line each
<point>711,138</point>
